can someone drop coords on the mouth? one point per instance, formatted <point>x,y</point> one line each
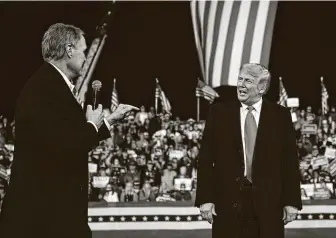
<point>242,92</point>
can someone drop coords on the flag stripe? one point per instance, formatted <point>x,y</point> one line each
<point>206,23</point>
<point>232,33</point>
<point>251,23</point>
<point>229,43</point>
<point>196,25</point>
<point>209,36</point>
<point>200,6</point>
<point>259,31</point>
<point>238,42</point>
<point>267,42</point>
<point>214,45</point>
<point>221,42</point>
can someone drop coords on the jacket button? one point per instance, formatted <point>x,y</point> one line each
<point>238,179</point>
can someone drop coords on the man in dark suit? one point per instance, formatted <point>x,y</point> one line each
<point>248,181</point>
<point>48,192</point>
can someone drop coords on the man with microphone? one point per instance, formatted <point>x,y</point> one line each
<point>47,195</point>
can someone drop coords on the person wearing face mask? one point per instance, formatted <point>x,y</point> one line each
<point>253,141</point>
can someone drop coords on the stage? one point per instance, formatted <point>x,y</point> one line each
<point>173,220</point>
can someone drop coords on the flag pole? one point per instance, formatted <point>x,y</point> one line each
<point>198,108</point>
<point>156,99</point>
<point>322,96</point>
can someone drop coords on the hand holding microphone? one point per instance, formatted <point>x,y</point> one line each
<point>95,116</point>
<point>96,86</point>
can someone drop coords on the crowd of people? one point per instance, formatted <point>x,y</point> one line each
<point>153,157</point>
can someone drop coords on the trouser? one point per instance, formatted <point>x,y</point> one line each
<point>248,225</point>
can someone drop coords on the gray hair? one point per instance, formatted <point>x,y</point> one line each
<point>56,38</point>
<point>259,72</point>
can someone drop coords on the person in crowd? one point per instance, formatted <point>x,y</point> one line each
<point>245,200</point>
<point>128,194</point>
<point>168,176</point>
<point>49,118</point>
<point>148,193</point>
<point>132,174</point>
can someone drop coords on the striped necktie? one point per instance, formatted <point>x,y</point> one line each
<point>250,138</point>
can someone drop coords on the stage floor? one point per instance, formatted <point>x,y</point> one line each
<point>290,233</point>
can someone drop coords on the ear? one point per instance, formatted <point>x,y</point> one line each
<point>68,50</point>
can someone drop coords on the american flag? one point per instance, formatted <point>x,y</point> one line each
<point>205,91</point>
<point>324,98</point>
<point>159,94</point>
<point>114,97</point>
<point>3,172</point>
<point>283,96</point>
<point>229,34</point>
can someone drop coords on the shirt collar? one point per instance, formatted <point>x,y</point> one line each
<point>66,79</point>
<point>256,106</point>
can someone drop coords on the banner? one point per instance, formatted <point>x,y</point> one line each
<point>293,102</point>
<point>100,181</point>
<point>330,153</point>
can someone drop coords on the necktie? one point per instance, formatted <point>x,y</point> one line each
<point>74,91</point>
<point>250,138</point>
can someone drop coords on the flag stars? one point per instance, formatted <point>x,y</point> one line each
<point>156,218</point>
<point>321,216</point>
<point>167,218</point>
<point>200,218</point>
<point>90,219</point>
<point>122,218</point>
<point>144,218</point>
<point>100,219</point>
<point>178,218</point>
<point>331,216</point>
<point>310,216</point>
<point>133,218</point>
<point>111,218</point>
<point>189,218</point>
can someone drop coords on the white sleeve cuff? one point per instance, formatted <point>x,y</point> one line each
<point>93,125</point>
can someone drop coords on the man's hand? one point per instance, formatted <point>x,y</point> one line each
<point>207,210</point>
<point>120,113</point>
<point>289,214</point>
<point>95,116</point>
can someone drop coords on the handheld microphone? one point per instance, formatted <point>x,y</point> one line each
<point>96,86</point>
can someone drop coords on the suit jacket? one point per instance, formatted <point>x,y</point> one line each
<point>275,168</point>
<point>48,193</point>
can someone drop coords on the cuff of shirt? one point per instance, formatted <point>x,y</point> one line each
<point>93,125</point>
<point>107,124</point>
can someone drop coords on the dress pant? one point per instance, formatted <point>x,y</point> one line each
<point>248,225</point>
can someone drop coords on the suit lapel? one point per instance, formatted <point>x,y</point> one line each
<point>237,129</point>
<point>264,132</point>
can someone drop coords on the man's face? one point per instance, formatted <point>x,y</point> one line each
<point>78,57</point>
<point>249,89</point>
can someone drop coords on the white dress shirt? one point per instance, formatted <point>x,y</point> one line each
<point>243,114</point>
<point>71,87</point>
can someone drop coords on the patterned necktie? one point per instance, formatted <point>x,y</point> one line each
<point>74,91</point>
<point>250,138</point>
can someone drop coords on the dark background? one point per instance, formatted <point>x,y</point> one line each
<point>155,39</point>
